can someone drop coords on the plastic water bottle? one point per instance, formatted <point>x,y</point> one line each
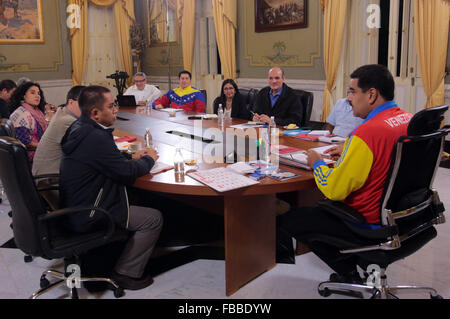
<point>148,107</point>
<point>272,127</point>
<point>148,138</point>
<point>178,163</point>
<point>220,115</point>
<point>274,140</point>
<point>265,145</point>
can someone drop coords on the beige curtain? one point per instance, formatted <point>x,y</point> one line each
<point>124,15</point>
<point>334,22</point>
<point>78,38</point>
<point>431,27</point>
<point>225,16</point>
<point>187,13</point>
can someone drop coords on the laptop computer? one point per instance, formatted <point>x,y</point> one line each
<point>126,100</point>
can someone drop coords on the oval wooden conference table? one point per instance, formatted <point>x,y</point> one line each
<point>249,213</point>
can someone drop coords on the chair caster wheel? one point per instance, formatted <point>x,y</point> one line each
<point>44,283</point>
<point>27,258</point>
<point>325,292</point>
<point>436,297</point>
<point>118,292</point>
<point>10,213</point>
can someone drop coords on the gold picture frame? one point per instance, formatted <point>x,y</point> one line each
<point>21,22</point>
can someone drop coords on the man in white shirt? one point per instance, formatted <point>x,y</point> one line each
<point>143,92</point>
<point>341,121</point>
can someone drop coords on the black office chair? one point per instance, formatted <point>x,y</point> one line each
<point>7,128</point>
<point>206,98</point>
<point>307,100</point>
<point>41,233</point>
<point>409,210</point>
<point>249,95</point>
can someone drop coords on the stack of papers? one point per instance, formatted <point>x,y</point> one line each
<point>331,139</point>
<point>241,168</point>
<point>319,133</point>
<point>299,160</point>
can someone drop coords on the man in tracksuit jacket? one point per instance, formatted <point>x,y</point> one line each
<point>359,175</point>
<point>94,173</point>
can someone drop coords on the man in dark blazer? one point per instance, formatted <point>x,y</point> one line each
<point>278,100</point>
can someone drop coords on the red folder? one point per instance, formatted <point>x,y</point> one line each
<point>126,139</point>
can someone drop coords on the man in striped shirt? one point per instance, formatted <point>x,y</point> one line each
<point>359,175</point>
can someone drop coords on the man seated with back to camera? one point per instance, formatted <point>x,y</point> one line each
<point>47,158</point>
<point>278,100</point>
<point>95,173</point>
<point>358,177</point>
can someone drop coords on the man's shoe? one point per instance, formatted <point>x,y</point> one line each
<point>131,283</point>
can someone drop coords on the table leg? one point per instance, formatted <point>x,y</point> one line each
<point>249,238</point>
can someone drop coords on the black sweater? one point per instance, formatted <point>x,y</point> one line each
<point>93,171</point>
<point>287,110</point>
<point>238,108</point>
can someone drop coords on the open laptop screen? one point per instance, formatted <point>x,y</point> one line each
<point>126,100</point>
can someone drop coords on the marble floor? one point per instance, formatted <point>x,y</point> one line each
<point>205,279</point>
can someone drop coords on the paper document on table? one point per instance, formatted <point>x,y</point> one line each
<point>321,150</point>
<point>319,133</point>
<point>168,110</point>
<point>160,167</point>
<point>241,168</point>
<point>332,139</point>
<point>222,179</point>
<point>302,158</point>
<point>246,126</point>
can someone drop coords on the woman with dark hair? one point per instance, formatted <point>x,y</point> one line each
<point>231,101</point>
<point>28,115</point>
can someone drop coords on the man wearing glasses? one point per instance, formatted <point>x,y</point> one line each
<point>143,92</point>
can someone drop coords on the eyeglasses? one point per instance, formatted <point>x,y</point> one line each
<point>228,89</point>
<point>139,81</point>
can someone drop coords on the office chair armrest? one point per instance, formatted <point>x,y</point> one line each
<point>342,211</point>
<point>72,210</point>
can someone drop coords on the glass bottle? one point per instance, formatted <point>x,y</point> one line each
<point>148,138</point>
<point>178,163</point>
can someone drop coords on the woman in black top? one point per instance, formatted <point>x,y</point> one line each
<point>231,100</point>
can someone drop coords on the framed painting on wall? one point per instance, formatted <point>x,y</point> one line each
<point>21,21</point>
<point>273,15</point>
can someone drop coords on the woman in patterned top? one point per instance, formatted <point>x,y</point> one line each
<point>28,115</point>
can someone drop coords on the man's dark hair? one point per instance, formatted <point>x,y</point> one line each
<point>8,85</point>
<point>375,76</point>
<point>74,93</point>
<point>185,72</point>
<point>92,97</point>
